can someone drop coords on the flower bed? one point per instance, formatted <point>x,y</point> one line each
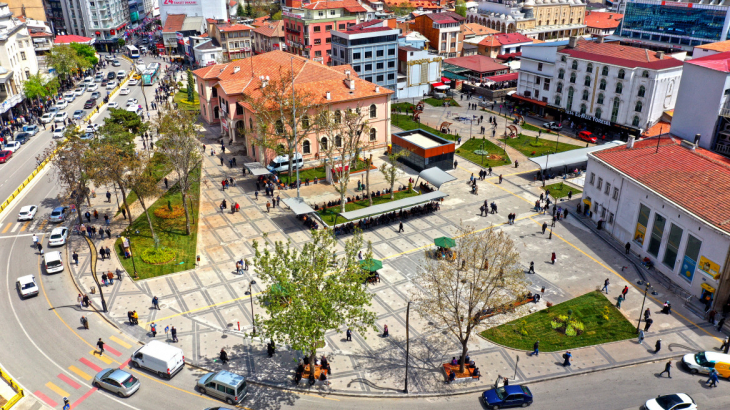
<point>157,256</point>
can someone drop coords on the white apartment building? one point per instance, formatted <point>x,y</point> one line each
<point>17,60</point>
<point>87,18</point>
<point>605,88</point>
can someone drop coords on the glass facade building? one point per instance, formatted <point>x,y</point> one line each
<point>674,23</point>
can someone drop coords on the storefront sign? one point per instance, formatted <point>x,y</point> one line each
<point>224,124</point>
<point>709,267</point>
<point>588,117</point>
<point>180,38</point>
<point>688,269</point>
<point>180,2</point>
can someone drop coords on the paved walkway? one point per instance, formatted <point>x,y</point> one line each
<point>209,304</point>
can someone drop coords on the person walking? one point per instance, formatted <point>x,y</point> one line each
<point>720,324</point>
<point>100,344</point>
<point>625,291</point>
<point>713,378</point>
<point>535,349</point>
<point>173,333</point>
<point>627,247</point>
<point>667,369</point>
<point>156,303</point>
<point>658,346</point>
<point>544,227</point>
<point>641,336</point>
<point>84,322</point>
<point>80,299</point>
<point>223,357</point>
<point>647,314</point>
<point>400,227</point>
<point>532,267</point>
<point>648,324</point>
<point>348,334</point>
<point>605,287</point>
<point>552,258</point>
<point>153,329</point>
<point>566,359</point>
<point>268,207</point>
<point>618,301</point>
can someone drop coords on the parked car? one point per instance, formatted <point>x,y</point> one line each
<point>92,128</point>
<point>160,358</point>
<point>47,117</point>
<point>22,138</point>
<point>678,401</point>
<point>507,396</point>
<point>58,214</point>
<point>5,156</point>
<point>31,129</point>
<point>27,213</point>
<point>60,117</point>
<point>117,381</point>
<point>587,136</point>
<point>79,114</point>
<point>26,286</point>
<point>12,146</point>
<point>58,236</point>
<point>552,125</point>
<point>224,385</point>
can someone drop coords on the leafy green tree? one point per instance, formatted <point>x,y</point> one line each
<point>460,8</point>
<point>240,12</point>
<point>65,60</point>
<point>37,87</point>
<point>86,52</point>
<point>391,169</point>
<point>191,87</point>
<point>121,42</point>
<point>112,164</point>
<point>307,294</point>
<point>249,9</point>
<point>144,185</point>
<point>276,16</point>
<point>403,9</point>
<point>124,125</point>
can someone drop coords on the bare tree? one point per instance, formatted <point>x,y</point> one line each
<point>179,143</point>
<point>283,115</point>
<point>113,164</point>
<point>391,169</point>
<point>343,131</point>
<point>144,185</point>
<point>486,273</point>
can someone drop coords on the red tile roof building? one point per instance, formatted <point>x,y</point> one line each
<point>600,23</point>
<point>476,67</point>
<point>504,43</point>
<point>226,84</point>
<point>268,37</point>
<point>443,31</point>
<point>235,39</point>
<point>72,38</point>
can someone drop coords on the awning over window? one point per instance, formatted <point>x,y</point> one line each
<point>298,206</point>
<point>393,205</point>
<point>503,77</point>
<point>574,157</point>
<point>256,169</point>
<point>436,176</point>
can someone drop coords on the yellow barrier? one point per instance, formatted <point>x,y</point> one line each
<point>19,392</point>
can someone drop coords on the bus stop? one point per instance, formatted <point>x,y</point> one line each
<point>256,169</point>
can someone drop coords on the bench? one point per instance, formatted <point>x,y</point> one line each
<point>467,376</point>
<point>317,372</point>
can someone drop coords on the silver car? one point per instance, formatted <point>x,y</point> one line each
<point>117,381</point>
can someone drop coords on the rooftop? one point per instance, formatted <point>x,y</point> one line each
<point>71,39</point>
<point>350,5</point>
<point>174,23</point>
<point>474,29</point>
<point>617,54</point>
<point>697,181</point>
<point>271,29</point>
<point>445,17</point>
<point>477,63</point>
<point>234,27</point>
<point>602,20</point>
<point>720,46</point>
<point>717,62</point>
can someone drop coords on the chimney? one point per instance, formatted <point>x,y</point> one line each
<point>573,42</point>
<point>349,82</point>
<point>630,142</point>
<point>236,69</point>
<point>660,55</point>
<point>697,139</point>
<point>329,97</point>
<point>599,39</point>
<point>610,16</point>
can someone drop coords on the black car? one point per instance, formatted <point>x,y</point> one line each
<point>22,139</point>
<point>111,75</point>
<point>90,103</point>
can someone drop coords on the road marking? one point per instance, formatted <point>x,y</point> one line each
<point>25,226</point>
<point>42,225</point>
<point>84,397</point>
<point>102,358</point>
<point>120,342</point>
<point>57,389</point>
<point>69,381</point>
<point>80,373</point>
<point>45,398</point>
<point>7,227</point>
<point>111,350</point>
<point>15,227</point>
<point>91,365</point>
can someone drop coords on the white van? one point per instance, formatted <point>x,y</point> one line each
<point>160,358</point>
<point>281,163</point>
<point>53,262</point>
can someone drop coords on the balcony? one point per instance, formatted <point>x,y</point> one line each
<point>291,30</point>
<point>725,112</point>
<point>722,149</point>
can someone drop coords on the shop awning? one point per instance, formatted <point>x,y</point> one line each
<point>442,87</point>
<point>573,157</point>
<point>393,205</point>
<point>503,77</point>
<point>298,206</point>
<point>529,100</point>
<point>256,169</point>
<point>445,80</point>
<point>436,176</point>
<point>437,84</point>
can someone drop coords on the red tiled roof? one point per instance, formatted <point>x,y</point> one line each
<point>232,3</point>
<point>368,30</point>
<point>310,77</point>
<point>234,27</point>
<point>271,29</point>
<point>509,55</point>
<point>616,54</point>
<point>503,77</point>
<point>40,34</point>
<point>366,24</point>
<point>602,20</point>
<point>476,29</point>
<point>349,5</point>
<point>477,63</point>
<point>72,38</point>
<point>512,38</point>
<point>717,62</point>
<point>174,23</point>
<point>445,17</point>
<point>657,129</point>
<point>720,46</point>
<point>698,181</point>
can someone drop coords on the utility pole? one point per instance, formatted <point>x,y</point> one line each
<point>408,343</point>
<point>294,126</point>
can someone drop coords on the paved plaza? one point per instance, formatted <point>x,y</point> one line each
<point>208,305</point>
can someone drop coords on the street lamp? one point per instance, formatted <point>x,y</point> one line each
<point>253,318</point>
<point>408,343</point>
<point>646,290</point>
<point>129,239</point>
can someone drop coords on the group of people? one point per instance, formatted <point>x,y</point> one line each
<point>133,317</point>
<point>469,365</point>
<point>304,365</point>
<point>91,231</point>
<point>386,218</point>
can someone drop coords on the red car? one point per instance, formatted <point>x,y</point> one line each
<point>5,156</point>
<point>587,136</point>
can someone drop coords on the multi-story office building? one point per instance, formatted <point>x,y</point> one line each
<point>104,20</point>
<point>17,61</point>
<point>417,70</point>
<point>673,24</point>
<point>54,14</point>
<point>308,27</point>
<point>443,31</point>
<point>538,19</point>
<point>371,49</point>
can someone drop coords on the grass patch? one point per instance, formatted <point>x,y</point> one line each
<point>181,98</point>
<point>402,107</point>
<point>328,215</point>
<point>405,123</point>
<point>494,156</point>
<point>561,190</point>
<point>311,173</point>
<point>177,250</point>
<point>591,309</point>
<point>158,166</point>
<point>531,147</point>
<point>435,102</point>
<point>530,127</point>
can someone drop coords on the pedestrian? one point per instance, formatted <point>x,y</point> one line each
<point>535,349</point>
<point>349,335</point>
<point>641,336</point>
<point>96,215</point>
<point>647,314</point>
<point>544,227</point>
<point>75,257</point>
<point>40,248</point>
<point>720,324</point>
<point>667,369</point>
<point>173,333</point>
<point>100,344</point>
<point>605,286</point>
<point>103,275</point>
<point>711,316</point>
<point>80,299</point>
<point>153,329</point>
<point>135,317</point>
<point>400,229</point>
<point>256,194</point>
<point>108,196</point>
<point>713,378</point>
<point>627,247</point>
<point>658,346</point>
<point>648,324</point>
<point>86,301</point>
<point>268,207</point>
<point>532,267</point>
<point>566,359</point>
<point>619,300</point>
<point>109,235</point>
<point>223,356</point>
<point>156,303</point>
<point>625,291</point>
<point>500,178</point>
<point>385,331</point>
<point>552,258</point>
<point>106,219</point>
<point>124,213</point>
<point>84,322</point>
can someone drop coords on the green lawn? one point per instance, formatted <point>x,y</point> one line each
<point>466,150</point>
<point>531,148</point>
<point>328,215</point>
<point>158,166</point>
<point>181,98</point>
<point>530,127</point>
<point>588,309</point>
<point>560,190</point>
<point>405,123</point>
<point>311,173</point>
<point>402,107</point>
<point>435,102</point>
<point>171,233</point>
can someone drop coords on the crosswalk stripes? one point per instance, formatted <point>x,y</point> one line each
<point>25,226</point>
<point>82,374</point>
<point>102,358</point>
<point>7,227</point>
<point>15,227</point>
<point>120,342</point>
<point>56,389</point>
<point>35,226</point>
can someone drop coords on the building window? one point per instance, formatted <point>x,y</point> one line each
<point>306,147</point>
<point>391,64</point>
<point>379,53</point>
<point>589,68</point>
<point>317,29</point>
<point>593,178</point>
<point>657,233</point>
<point>356,68</point>
<point>368,67</point>
<point>575,65</point>
<point>379,66</point>
<point>317,41</point>
<point>602,85</point>
<point>559,88</point>
<point>569,106</point>
<point>600,98</point>
<point>561,74</point>
<point>338,141</point>
<point>539,66</point>
<point>391,51</point>
<point>638,106</point>
<point>604,71</point>
<point>318,53</point>
<point>572,78</point>
<point>250,124</point>
<point>641,224</point>
<point>328,27</point>
<point>369,79</point>
<point>379,78</point>
<point>600,184</point>
<point>610,218</point>
<point>635,122</point>
<point>621,74</point>
<point>608,188</point>
<point>691,255</point>
<point>373,111</point>
<point>373,134</point>
<point>323,143</point>
<point>642,91</point>
<point>368,54</point>
<point>583,108</point>
<point>355,56</point>
<point>546,85</point>
<point>563,58</point>
<point>305,122</point>
<point>341,26</point>
<point>585,95</point>
<point>587,81</point>
<point>22,55</point>
<point>338,117</point>
<point>537,80</point>
<point>557,100</point>
<point>321,14</point>
<point>279,127</point>
<point>332,12</point>
<point>645,74</point>
<point>619,88</point>
<point>614,110</point>
<point>598,114</point>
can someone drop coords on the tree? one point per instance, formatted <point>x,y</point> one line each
<point>37,87</point>
<point>87,53</point>
<point>460,8</point>
<point>282,117</point>
<point>391,169</point>
<point>144,185</point>
<point>177,139</point>
<point>113,164</point>
<point>249,9</point>
<point>403,9</point>
<point>307,294</point>
<point>66,61</point>
<point>276,16</point>
<point>121,43</point>
<point>487,273</point>
<point>240,12</point>
<point>123,126</point>
<point>343,131</point>
<point>191,87</point>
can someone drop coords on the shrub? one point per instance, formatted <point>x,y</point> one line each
<point>157,256</point>
<point>165,213</point>
<point>570,331</point>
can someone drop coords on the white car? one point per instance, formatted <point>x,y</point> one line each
<point>58,236</point>
<point>26,286</point>
<point>12,146</point>
<point>133,81</point>
<point>88,80</point>
<point>69,96</point>
<point>111,85</point>
<point>92,87</point>
<point>60,117</point>
<point>135,109</point>
<point>79,91</point>
<point>27,213</point>
<point>61,104</point>
<point>702,362</point>
<point>58,133</point>
<point>124,91</point>
<point>47,117</point>
<point>132,101</point>
<point>92,128</point>
<point>113,104</point>
<point>121,74</point>
<point>678,401</point>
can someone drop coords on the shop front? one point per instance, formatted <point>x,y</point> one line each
<point>604,130</point>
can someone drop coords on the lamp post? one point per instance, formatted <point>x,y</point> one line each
<point>408,343</point>
<point>129,239</point>
<point>253,318</point>
<point>646,290</point>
